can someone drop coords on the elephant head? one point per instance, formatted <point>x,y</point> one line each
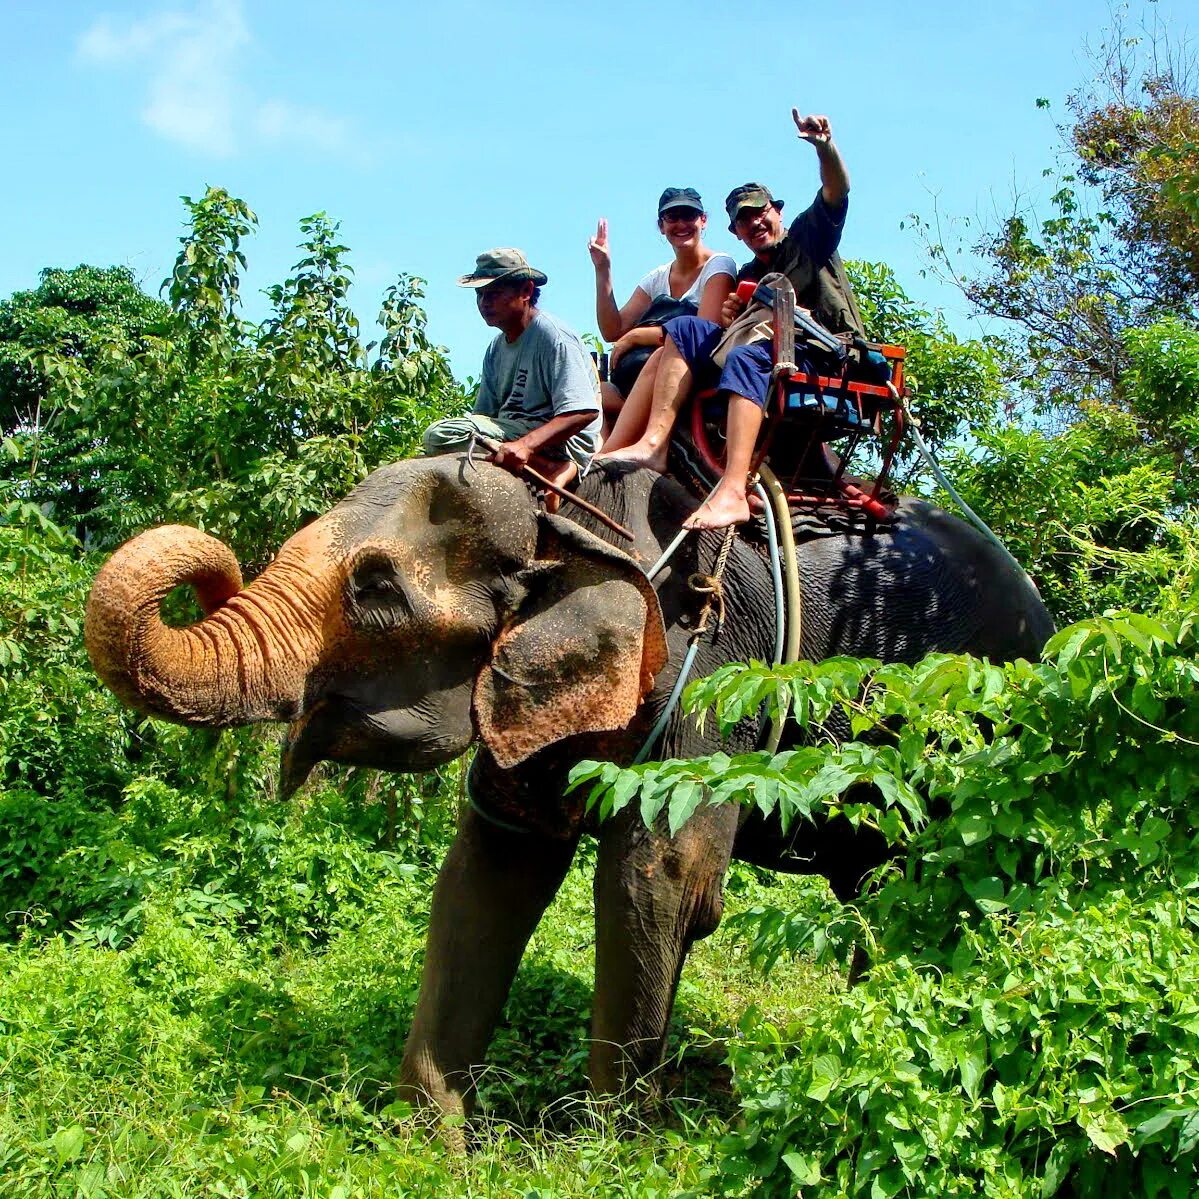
<point>432,605</point>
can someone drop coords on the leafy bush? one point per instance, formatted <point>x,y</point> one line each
<point>1028,1026</point>
<point>201,417</point>
<point>120,412</point>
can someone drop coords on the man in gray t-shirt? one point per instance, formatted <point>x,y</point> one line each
<point>539,394</point>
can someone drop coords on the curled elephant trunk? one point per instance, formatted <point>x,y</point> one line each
<point>248,660</point>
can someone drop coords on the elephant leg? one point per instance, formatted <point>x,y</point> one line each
<point>491,892</point>
<point>655,896</point>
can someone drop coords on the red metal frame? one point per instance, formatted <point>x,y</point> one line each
<point>869,402</point>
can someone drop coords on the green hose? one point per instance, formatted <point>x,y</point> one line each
<point>782,513</point>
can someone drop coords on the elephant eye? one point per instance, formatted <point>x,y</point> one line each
<point>376,595</point>
<point>376,584</point>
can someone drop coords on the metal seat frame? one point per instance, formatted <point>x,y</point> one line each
<point>835,406</point>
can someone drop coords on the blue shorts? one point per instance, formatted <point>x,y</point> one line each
<point>746,371</point>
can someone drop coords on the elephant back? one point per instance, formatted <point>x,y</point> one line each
<point>921,582</point>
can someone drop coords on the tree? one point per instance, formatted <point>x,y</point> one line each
<point>1099,301</point>
<point>74,315</point>
<point>1120,247</point>
<point>244,429</point>
<point>54,342</point>
<point>1134,132</point>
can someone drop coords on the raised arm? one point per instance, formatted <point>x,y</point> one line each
<point>834,177</point>
<point>612,321</point>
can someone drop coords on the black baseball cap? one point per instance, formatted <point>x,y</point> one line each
<point>748,195</point>
<point>680,197</point>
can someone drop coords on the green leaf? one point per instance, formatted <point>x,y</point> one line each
<point>804,1169</point>
<point>987,893</point>
<point>684,799</point>
<point>68,1143</point>
<point>826,1072</point>
<point>1057,1166</point>
<point>1104,1129</point>
<point>971,1066</point>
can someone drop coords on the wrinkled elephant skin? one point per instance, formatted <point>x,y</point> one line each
<point>435,607</point>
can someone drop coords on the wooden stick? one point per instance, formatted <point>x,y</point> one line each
<point>540,479</point>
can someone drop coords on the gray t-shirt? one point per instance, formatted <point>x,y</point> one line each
<point>545,372</point>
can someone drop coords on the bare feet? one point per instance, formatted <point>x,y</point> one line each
<point>722,508</point>
<point>562,474</point>
<point>639,454</point>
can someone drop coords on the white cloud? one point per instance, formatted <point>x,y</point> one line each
<point>277,120</point>
<point>192,62</point>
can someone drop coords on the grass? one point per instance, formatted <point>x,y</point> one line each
<point>201,1062</point>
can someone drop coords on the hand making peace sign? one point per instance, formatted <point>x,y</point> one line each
<point>598,246</point>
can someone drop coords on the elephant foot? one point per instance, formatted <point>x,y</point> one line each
<point>626,1073</point>
<point>859,966</point>
<point>441,1103</point>
<point>436,1123</point>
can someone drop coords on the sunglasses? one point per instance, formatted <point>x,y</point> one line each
<point>680,215</point>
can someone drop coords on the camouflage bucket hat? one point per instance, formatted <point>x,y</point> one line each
<point>748,195</point>
<point>503,263</point>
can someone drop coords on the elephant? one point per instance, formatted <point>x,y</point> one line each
<point>438,606</point>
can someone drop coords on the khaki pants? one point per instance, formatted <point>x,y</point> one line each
<point>454,434</point>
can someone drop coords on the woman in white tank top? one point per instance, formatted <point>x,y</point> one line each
<point>697,274</point>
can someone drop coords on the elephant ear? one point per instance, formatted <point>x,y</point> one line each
<point>580,652</point>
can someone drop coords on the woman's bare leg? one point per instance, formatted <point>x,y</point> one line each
<point>611,402</point>
<point>634,413</point>
<point>671,386</point>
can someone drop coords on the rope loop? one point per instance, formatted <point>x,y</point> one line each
<point>712,586</point>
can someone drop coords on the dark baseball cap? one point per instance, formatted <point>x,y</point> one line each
<point>680,197</point>
<point>748,195</point>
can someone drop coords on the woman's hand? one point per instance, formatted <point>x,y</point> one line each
<point>643,335</point>
<point>601,257</point>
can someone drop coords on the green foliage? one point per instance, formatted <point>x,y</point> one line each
<point>1082,510</point>
<point>1053,278</point>
<point>1028,1025</point>
<point>1033,1067</point>
<point>70,319</point>
<point>244,430</point>
<point>955,384</point>
<point>1163,389</point>
<point>200,1059</point>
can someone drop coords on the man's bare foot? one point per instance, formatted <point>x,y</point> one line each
<point>561,474</point>
<point>639,454</point>
<point>721,509</point>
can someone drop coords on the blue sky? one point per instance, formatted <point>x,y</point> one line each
<point>432,131</point>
